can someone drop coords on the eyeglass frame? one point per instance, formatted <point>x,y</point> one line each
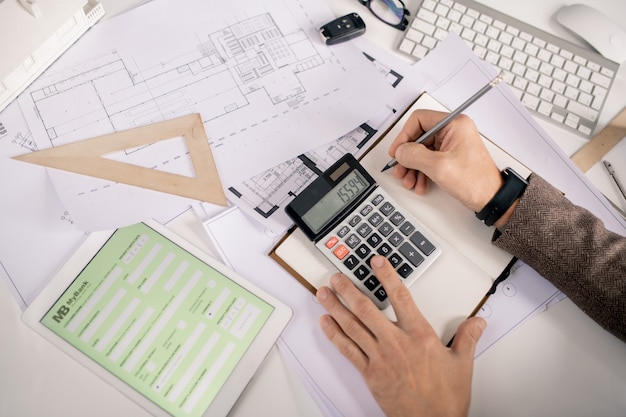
<point>404,22</point>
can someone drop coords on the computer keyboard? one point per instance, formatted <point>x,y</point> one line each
<point>555,79</point>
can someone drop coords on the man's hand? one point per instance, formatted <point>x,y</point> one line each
<point>404,364</point>
<point>455,158</point>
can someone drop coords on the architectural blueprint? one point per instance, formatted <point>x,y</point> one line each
<point>265,195</point>
<point>267,87</point>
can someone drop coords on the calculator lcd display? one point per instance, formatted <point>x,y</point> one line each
<point>338,198</point>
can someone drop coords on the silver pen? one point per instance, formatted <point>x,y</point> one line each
<point>609,168</point>
<point>427,135</point>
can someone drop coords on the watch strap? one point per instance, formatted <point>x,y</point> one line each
<point>513,187</point>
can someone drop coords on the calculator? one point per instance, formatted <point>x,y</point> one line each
<point>350,218</point>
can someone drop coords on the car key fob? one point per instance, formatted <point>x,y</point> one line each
<point>342,29</point>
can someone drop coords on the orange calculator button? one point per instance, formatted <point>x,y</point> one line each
<point>331,242</point>
<point>341,252</point>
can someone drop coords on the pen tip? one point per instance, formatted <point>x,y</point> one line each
<point>385,168</point>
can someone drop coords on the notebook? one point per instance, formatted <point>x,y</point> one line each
<point>452,286</point>
<point>162,322</point>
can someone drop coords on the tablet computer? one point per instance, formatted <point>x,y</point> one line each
<point>164,323</point>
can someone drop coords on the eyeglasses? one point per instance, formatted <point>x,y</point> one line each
<point>392,12</point>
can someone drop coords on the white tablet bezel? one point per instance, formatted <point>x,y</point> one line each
<point>243,371</point>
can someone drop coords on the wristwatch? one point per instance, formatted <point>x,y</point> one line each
<point>513,187</point>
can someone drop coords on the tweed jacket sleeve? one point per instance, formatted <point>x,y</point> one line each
<point>571,248</point>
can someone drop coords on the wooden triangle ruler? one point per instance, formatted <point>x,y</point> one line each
<point>86,157</point>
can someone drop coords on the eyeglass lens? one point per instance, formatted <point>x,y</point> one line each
<point>390,11</point>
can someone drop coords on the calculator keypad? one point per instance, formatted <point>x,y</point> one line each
<point>379,226</point>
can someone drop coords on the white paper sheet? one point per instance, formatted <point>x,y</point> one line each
<point>37,232</point>
<point>599,175</point>
<point>265,85</point>
<point>265,195</point>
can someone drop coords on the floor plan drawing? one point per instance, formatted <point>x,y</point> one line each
<point>249,61</point>
<point>259,78</point>
<point>265,195</point>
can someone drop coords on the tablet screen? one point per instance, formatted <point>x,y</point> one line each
<point>158,318</point>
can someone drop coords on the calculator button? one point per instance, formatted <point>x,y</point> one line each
<point>377,200</point>
<point>371,283</point>
<point>385,229</point>
<point>364,229</point>
<point>343,231</point>
<point>407,228</point>
<point>374,240</point>
<point>396,239</point>
<point>350,262</point>
<point>384,250</point>
<point>361,272</point>
<point>352,241</point>
<point>381,294</point>
<point>354,221</point>
<point>331,242</point>
<point>341,252</point>
<point>405,270</point>
<point>411,254</point>
<point>421,242</point>
<point>397,218</point>
<point>366,210</point>
<point>387,208</point>
<point>375,219</point>
<point>363,251</point>
<point>395,260</point>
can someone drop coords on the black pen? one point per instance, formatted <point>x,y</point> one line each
<point>427,135</point>
<point>609,168</point>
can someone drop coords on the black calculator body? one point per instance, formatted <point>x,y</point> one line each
<point>350,218</point>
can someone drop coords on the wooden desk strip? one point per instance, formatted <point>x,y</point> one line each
<point>602,143</point>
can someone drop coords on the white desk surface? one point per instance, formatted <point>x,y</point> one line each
<point>558,364</point>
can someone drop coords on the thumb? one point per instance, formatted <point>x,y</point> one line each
<point>467,335</point>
